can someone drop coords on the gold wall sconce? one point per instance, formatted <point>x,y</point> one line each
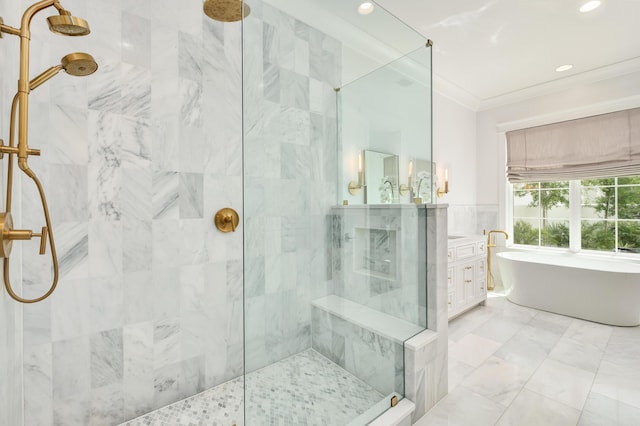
<point>77,64</point>
<point>405,189</point>
<point>355,187</point>
<point>441,191</point>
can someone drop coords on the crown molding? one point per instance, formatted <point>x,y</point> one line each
<point>455,93</point>
<point>592,76</point>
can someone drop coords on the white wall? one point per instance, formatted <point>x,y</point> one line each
<point>454,148</point>
<point>583,100</point>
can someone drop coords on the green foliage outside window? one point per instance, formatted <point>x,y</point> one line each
<point>598,232</point>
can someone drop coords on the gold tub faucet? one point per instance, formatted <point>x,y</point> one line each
<point>490,244</point>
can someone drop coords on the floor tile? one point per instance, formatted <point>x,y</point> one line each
<point>462,408</point>
<point>529,347</point>
<point>473,350</point>
<point>600,410</point>
<point>498,380</point>
<point>458,371</point>
<point>618,382</point>
<point>498,329</point>
<point>532,409</point>
<point>305,389</point>
<point>582,355</point>
<point>551,322</point>
<point>562,382</point>
<point>589,333</point>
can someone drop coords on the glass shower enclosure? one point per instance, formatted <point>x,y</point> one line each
<point>332,286</point>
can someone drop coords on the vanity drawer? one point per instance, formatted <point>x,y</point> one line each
<point>466,250</point>
<point>451,278</point>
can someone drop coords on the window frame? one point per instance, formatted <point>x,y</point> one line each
<point>575,222</point>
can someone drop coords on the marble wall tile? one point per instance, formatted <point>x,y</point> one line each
<point>105,248</point>
<point>136,38</point>
<point>69,323</point>
<point>191,185</point>
<point>106,358</point>
<point>38,382</point>
<point>71,369</point>
<point>125,174</point>
<point>136,143</point>
<point>166,195</point>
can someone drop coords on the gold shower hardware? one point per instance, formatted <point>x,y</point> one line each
<point>226,10</point>
<point>394,400</point>
<point>8,235</point>
<point>489,246</point>
<point>441,192</point>
<point>65,24</point>
<point>354,187</point>
<point>227,220</point>
<point>78,64</point>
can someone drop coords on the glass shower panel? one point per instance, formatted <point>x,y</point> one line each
<point>389,110</point>
<point>330,292</point>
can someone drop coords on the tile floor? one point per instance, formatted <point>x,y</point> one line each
<point>511,365</point>
<point>305,389</point>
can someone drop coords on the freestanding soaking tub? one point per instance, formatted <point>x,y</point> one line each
<point>580,286</point>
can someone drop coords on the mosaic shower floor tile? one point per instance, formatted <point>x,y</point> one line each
<point>305,389</point>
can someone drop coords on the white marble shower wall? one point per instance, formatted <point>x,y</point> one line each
<point>136,159</point>
<point>290,71</point>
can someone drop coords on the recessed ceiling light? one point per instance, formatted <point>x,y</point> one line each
<point>365,8</point>
<point>566,67</point>
<point>589,6</point>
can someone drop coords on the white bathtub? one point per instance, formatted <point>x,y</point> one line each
<point>591,288</point>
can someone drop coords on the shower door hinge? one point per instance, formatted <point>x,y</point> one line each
<point>394,400</point>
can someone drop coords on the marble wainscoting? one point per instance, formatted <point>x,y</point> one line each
<point>472,219</point>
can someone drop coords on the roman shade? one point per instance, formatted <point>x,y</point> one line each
<point>606,145</point>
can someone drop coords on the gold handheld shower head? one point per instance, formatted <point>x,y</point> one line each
<point>226,10</point>
<point>65,24</point>
<point>78,64</point>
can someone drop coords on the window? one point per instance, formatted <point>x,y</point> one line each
<point>608,214</point>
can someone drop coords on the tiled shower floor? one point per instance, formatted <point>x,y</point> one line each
<point>305,389</point>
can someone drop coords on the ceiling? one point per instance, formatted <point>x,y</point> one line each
<point>488,53</point>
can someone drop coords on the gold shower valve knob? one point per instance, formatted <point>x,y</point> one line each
<point>6,226</point>
<point>226,220</point>
<point>8,235</point>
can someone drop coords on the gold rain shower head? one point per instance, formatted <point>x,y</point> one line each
<point>226,10</point>
<point>65,24</point>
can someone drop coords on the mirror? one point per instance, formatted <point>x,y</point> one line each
<point>422,185</point>
<point>380,178</point>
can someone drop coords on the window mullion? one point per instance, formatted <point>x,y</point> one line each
<point>575,217</point>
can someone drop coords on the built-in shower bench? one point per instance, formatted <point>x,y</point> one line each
<point>392,328</point>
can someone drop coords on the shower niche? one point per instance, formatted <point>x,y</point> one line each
<point>375,253</point>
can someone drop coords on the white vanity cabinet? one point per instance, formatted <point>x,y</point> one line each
<point>467,273</point>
